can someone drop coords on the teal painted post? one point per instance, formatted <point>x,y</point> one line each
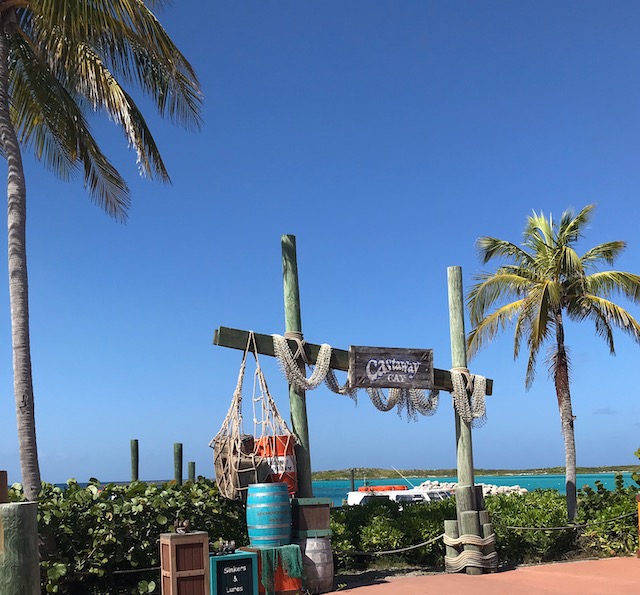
<point>297,398</point>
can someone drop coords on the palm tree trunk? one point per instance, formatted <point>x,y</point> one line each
<point>561,378</point>
<point>18,286</point>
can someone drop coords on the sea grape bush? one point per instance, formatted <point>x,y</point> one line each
<point>613,526</point>
<point>527,527</point>
<point>94,537</point>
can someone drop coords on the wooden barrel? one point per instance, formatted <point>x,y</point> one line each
<point>279,453</point>
<point>317,564</point>
<point>268,515</point>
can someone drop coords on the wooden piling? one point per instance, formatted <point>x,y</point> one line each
<point>177,462</point>
<point>451,530</point>
<point>4,488</point>
<point>464,450</point>
<point>470,525</point>
<point>487,531</point>
<point>466,505</point>
<point>135,467</point>
<point>191,471</point>
<point>19,559</point>
<point>297,398</point>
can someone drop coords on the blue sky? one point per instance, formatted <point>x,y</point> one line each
<point>387,137</point>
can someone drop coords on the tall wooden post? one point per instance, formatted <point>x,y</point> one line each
<point>4,488</point>
<point>177,462</point>
<point>297,398</point>
<point>465,492</point>
<point>135,468</point>
<point>464,450</point>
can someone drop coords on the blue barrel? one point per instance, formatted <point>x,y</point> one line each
<point>268,515</point>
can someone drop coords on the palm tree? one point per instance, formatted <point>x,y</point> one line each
<point>542,282</point>
<point>60,59</point>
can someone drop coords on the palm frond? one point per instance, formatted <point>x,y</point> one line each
<point>607,283</point>
<point>607,252</point>
<point>104,91</point>
<point>491,289</point>
<point>613,315</point>
<point>570,227</point>
<point>50,122</point>
<point>485,331</point>
<point>131,43</point>
<point>490,248</point>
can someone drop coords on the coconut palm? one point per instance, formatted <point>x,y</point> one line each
<point>543,281</point>
<point>59,60</point>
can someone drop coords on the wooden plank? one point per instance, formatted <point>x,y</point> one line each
<point>387,367</point>
<point>4,488</point>
<point>237,339</point>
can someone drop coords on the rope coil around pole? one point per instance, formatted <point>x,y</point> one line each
<point>469,391</point>
<point>470,558</point>
<point>289,364</point>
<point>470,540</point>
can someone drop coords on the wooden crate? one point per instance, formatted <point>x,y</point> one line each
<point>310,517</point>
<point>184,563</point>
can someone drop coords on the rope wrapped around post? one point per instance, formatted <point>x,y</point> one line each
<point>469,391</point>
<point>469,557</point>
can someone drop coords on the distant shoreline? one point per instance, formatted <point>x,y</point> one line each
<point>376,473</point>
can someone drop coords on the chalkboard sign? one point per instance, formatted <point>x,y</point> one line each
<point>387,367</point>
<point>234,573</point>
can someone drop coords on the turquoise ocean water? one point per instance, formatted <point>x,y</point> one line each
<point>337,489</point>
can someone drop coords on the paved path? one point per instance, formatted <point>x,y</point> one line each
<point>610,576</point>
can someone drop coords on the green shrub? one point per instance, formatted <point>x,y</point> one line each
<point>92,536</point>
<point>612,525</point>
<point>514,516</point>
<point>383,525</point>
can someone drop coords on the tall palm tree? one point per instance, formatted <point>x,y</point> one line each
<point>59,60</point>
<point>543,281</point>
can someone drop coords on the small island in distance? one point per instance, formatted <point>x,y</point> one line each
<point>374,473</point>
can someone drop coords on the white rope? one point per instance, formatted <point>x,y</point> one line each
<point>332,383</point>
<point>292,372</point>
<point>469,391</point>
<point>412,400</point>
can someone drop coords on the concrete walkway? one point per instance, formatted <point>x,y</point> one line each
<point>610,576</point>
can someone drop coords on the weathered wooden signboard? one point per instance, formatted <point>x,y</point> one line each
<point>388,367</point>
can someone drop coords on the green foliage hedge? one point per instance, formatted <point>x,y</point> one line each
<point>529,528</point>
<point>104,540</point>
<point>94,536</point>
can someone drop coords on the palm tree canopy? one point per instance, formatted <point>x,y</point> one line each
<point>545,277</point>
<point>69,57</point>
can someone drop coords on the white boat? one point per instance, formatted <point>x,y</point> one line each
<point>426,492</point>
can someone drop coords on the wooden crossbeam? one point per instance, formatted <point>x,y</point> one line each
<point>237,339</point>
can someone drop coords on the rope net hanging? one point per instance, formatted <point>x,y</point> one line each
<point>239,459</point>
<point>469,391</point>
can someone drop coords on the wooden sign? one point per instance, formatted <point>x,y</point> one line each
<point>386,367</point>
<point>234,573</point>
